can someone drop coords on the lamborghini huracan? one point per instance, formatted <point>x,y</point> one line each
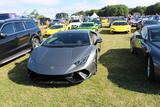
<point>68,56</point>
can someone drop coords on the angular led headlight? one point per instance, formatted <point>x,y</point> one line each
<point>82,61</point>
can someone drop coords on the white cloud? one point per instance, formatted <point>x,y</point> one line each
<point>49,7</point>
<point>40,2</point>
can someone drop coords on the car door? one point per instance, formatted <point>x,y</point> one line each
<point>140,42</point>
<point>8,44</point>
<point>22,35</point>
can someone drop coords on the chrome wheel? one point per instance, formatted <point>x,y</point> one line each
<point>35,42</point>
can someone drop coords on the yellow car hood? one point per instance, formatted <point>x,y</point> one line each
<point>120,27</point>
<point>52,31</point>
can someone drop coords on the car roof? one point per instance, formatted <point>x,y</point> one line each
<point>18,19</point>
<point>153,26</point>
<point>74,31</point>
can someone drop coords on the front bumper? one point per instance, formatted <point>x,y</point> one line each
<point>119,30</point>
<point>76,77</point>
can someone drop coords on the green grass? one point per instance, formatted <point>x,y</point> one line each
<point>120,82</point>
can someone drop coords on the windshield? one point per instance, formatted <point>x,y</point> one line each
<point>75,21</point>
<point>120,23</point>
<point>155,34</point>
<point>56,27</point>
<point>151,22</point>
<point>67,40</point>
<point>55,20</point>
<point>114,19</point>
<point>96,21</point>
<point>1,25</point>
<point>87,25</point>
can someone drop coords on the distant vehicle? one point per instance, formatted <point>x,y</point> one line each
<point>56,22</point>
<point>4,16</point>
<point>44,21</point>
<point>97,22</point>
<point>120,26</point>
<point>104,20</point>
<point>134,22</point>
<point>143,23</point>
<point>67,56</point>
<point>17,37</point>
<point>75,23</point>
<point>88,26</point>
<point>56,28</point>
<point>147,42</point>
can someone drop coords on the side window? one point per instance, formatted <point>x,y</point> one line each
<point>8,29</point>
<point>19,26</point>
<point>29,25</point>
<point>144,33</point>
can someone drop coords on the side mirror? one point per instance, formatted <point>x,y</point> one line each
<point>139,36</point>
<point>98,41</point>
<point>2,35</point>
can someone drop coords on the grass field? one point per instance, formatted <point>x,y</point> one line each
<point>120,82</point>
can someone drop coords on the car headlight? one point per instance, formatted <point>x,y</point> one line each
<point>82,61</point>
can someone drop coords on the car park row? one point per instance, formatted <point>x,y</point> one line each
<point>71,51</point>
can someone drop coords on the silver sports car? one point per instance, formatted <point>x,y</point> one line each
<point>67,56</point>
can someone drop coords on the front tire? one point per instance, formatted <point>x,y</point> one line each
<point>35,42</point>
<point>150,69</point>
<point>132,50</point>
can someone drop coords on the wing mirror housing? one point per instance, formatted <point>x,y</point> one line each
<point>98,41</point>
<point>2,35</point>
<point>139,36</point>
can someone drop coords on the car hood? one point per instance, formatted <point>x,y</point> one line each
<point>120,26</point>
<point>46,56</point>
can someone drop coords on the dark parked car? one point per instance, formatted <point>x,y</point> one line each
<point>147,42</point>
<point>143,23</point>
<point>17,37</point>
<point>4,16</point>
<point>67,56</point>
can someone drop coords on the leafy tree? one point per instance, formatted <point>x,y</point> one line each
<point>138,9</point>
<point>34,14</point>
<point>153,9</point>
<point>62,16</point>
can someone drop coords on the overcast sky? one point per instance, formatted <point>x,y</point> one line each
<point>50,7</point>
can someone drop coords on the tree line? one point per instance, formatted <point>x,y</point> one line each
<point>122,10</point>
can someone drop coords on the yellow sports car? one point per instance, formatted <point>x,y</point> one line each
<point>56,28</point>
<point>120,26</point>
<point>104,21</point>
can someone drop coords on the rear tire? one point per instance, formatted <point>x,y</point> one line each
<point>150,69</point>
